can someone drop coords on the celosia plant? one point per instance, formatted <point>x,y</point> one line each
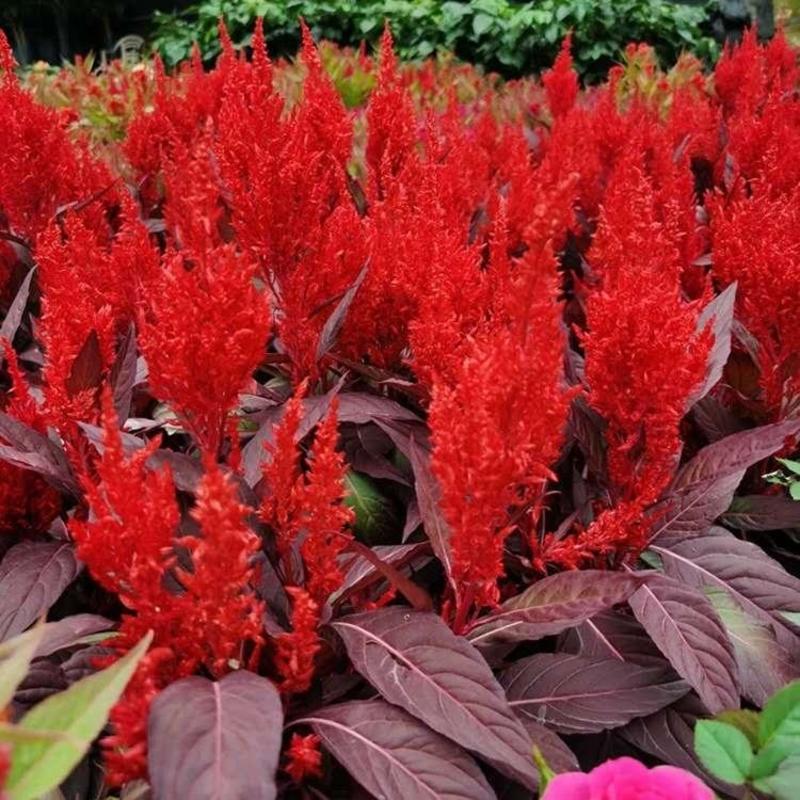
<point>409,411</point>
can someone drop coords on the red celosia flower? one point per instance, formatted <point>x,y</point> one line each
<point>219,600</point>
<point>621,529</point>
<point>643,355</point>
<point>755,243</point>
<point>283,482</point>
<point>561,82</point>
<point>125,749</point>
<point>325,515</point>
<point>88,288</point>
<point>390,122</point>
<point>303,757</point>
<point>127,543</point>
<point>203,326</point>
<point>28,504</point>
<point>497,429</point>
<point>311,503</point>
<point>41,170</point>
<point>213,619</point>
<point>295,652</point>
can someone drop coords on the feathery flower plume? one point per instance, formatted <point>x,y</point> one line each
<point>561,82</point>
<point>203,326</point>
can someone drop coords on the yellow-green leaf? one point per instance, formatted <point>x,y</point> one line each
<point>17,654</point>
<point>80,713</point>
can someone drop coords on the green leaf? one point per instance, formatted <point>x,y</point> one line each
<point>79,713</point>
<point>792,466</point>
<point>375,518</point>
<point>481,23</point>
<point>794,490</point>
<point>743,720</point>
<point>767,761</point>
<point>783,785</point>
<point>780,720</point>
<point>546,773</point>
<point>17,654</point>
<point>723,750</point>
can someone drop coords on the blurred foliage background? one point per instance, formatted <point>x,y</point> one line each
<point>510,37</point>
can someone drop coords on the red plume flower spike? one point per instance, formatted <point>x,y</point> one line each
<point>203,326</point>
<point>561,82</point>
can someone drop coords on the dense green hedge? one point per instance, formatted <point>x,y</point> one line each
<point>510,37</point>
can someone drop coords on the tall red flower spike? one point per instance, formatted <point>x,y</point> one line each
<point>751,235</point>
<point>643,355</point>
<point>203,327</point>
<point>561,82</point>
<point>497,429</point>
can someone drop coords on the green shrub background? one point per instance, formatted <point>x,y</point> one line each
<point>512,38</point>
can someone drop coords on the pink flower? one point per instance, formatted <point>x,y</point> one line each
<point>627,779</point>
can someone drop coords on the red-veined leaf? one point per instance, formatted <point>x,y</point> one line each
<point>416,662</point>
<point>395,756</point>
<point>215,740</point>
<point>688,631</point>
<point>703,489</point>
<point>573,694</point>
<point>32,577</point>
<point>554,604</point>
<point>758,583</point>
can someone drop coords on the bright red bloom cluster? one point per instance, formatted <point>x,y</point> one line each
<point>182,351</point>
<point>306,508</point>
<point>208,616</point>
<point>499,426</point>
<point>303,757</point>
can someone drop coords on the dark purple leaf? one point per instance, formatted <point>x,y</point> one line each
<point>215,740</point>
<point>123,375</point>
<point>573,694</point>
<point>762,512</point>
<point>43,679</point>
<point>186,471</point>
<point>416,662</point>
<point>413,518</point>
<point>330,330</point>
<point>32,577</point>
<point>428,495</point>
<point>714,420</point>
<point>688,631</point>
<point>719,315</point>
<point>363,408</point>
<point>17,308</point>
<point>29,449</point>
<point>418,597</point>
<point>703,489</point>
<point>87,368</point>
<point>613,635</point>
<point>586,427</point>
<point>764,665</point>
<point>357,194</point>
<point>747,341</point>
<point>84,662</point>
<point>758,583</point>
<point>554,604</point>
<point>360,572</point>
<point>396,757</point>
<point>69,631</point>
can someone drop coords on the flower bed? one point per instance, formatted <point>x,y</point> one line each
<point>409,436</point>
